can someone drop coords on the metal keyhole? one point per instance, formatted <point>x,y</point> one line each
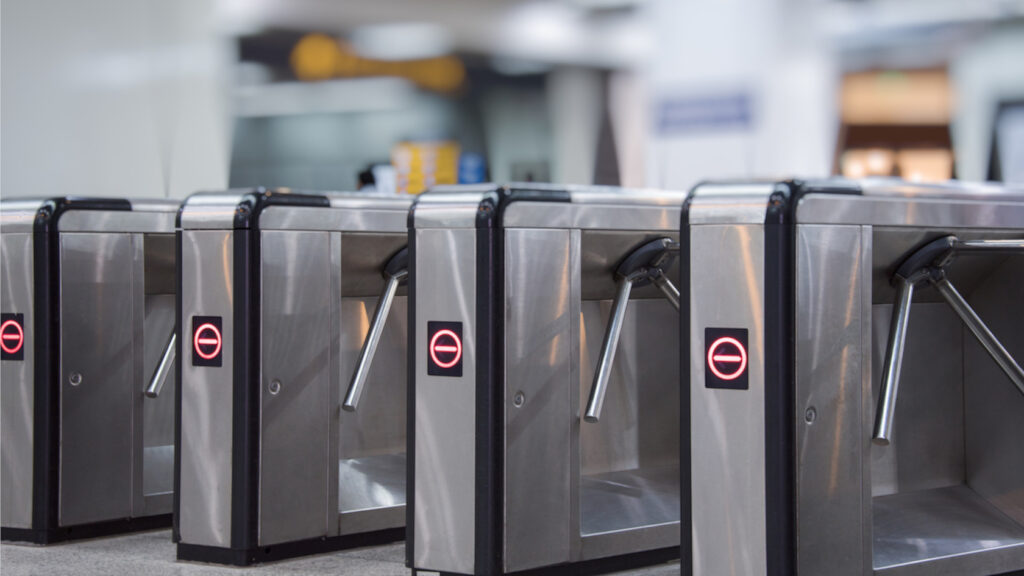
<point>75,379</point>
<point>810,415</point>
<point>519,399</point>
<point>275,387</point>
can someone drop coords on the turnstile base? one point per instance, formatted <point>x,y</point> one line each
<point>262,554</point>
<point>586,567</point>
<point>81,531</point>
<point>629,499</point>
<point>952,529</point>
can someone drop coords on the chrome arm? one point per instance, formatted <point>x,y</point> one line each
<point>893,363</point>
<point>986,246</point>
<point>981,332</point>
<point>668,289</point>
<point>603,373</point>
<point>166,362</point>
<point>380,316</point>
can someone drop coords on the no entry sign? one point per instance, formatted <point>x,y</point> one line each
<point>12,336</point>
<point>725,358</point>
<point>207,341</point>
<point>444,348</point>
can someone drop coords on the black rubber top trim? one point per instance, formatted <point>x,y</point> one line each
<point>52,209</point>
<point>253,203</point>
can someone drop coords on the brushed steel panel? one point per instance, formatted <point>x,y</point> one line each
<point>207,289</point>
<point>957,211</point>
<point>97,329</point>
<point>211,210</point>
<point>445,406</point>
<point>611,216</point>
<point>944,531</point>
<point>538,326</point>
<point>19,215</point>
<point>830,378</point>
<point>297,354</point>
<point>927,449</point>
<point>388,218</point>
<point>727,426</point>
<point>117,221</point>
<point>378,426</point>
<point>17,383</point>
<point>993,408</point>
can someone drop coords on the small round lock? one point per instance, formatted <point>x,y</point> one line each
<point>519,399</point>
<point>275,387</point>
<point>75,379</point>
<point>810,415</point>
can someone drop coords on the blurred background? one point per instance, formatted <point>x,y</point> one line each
<point>164,98</point>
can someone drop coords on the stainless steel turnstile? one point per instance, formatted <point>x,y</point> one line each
<point>809,306</point>
<point>293,374</point>
<point>545,378</point>
<point>87,330</point>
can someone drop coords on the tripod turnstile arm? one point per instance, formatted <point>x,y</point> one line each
<point>603,373</point>
<point>928,263</point>
<point>668,289</point>
<point>987,339</point>
<point>893,362</point>
<point>395,272</point>
<point>645,265</point>
<point>156,383</point>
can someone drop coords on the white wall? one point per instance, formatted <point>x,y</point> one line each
<point>987,72</point>
<point>112,97</point>
<point>769,51</point>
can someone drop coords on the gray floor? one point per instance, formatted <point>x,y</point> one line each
<point>151,553</point>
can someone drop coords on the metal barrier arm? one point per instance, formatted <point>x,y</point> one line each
<point>645,265</point>
<point>928,264</point>
<point>156,383</point>
<point>395,272</point>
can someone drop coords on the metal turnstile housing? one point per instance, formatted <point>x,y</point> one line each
<point>88,312</point>
<point>512,288</point>
<point>784,477</point>
<point>278,292</point>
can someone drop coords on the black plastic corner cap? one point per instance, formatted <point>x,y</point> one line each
<point>644,257</point>
<point>397,263</point>
<point>933,254</point>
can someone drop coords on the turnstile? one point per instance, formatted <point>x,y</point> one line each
<point>293,378</point>
<point>87,333</point>
<point>545,379</point>
<point>808,306</point>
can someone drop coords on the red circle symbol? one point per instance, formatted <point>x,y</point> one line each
<point>12,337</point>
<point>207,335</point>
<point>722,353</point>
<point>453,347</point>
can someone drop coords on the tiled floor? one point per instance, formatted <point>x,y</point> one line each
<point>151,553</point>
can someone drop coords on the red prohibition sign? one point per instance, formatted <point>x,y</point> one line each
<point>17,336</point>
<point>200,339</point>
<point>739,359</point>
<point>455,348</point>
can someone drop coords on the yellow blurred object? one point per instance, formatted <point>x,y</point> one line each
<point>320,57</point>
<point>315,57</point>
<point>420,165</point>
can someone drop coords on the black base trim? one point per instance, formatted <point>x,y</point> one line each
<point>276,552</point>
<point>82,531</point>
<point>595,566</point>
